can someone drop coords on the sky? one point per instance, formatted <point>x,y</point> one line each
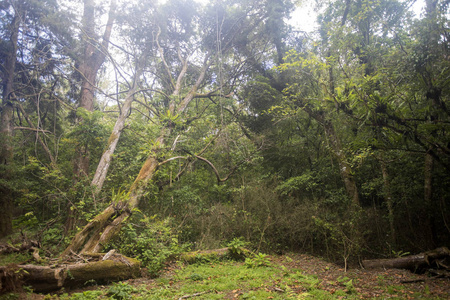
<point>304,17</point>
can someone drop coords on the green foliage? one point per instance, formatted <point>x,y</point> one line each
<point>348,283</point>
<point>195,277</point>
<point>15,258</point>
<point>373,83</point>
<point>306,182</point>
<point>237,247</point>
<point>258,260</point>
<point>120,196</point>
<point>343,235</point>
<point>121,291</point>
<point>91,133</point>
<point>53,239</point>
<point>10,296</point>
<point>27,220</point>
<point>87,295</point>
<point>151,241</point>
<point>400,253</point>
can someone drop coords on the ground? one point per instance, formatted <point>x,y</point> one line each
<point>294,276</point>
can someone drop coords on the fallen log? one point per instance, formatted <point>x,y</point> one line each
<point>415,263</point>
<point>50,278</point>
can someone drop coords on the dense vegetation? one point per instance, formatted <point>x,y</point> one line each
<point>188,126</point>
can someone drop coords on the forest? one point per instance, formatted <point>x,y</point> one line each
<point>154,128</point>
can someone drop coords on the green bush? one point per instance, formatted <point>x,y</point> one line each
<point>259,260</point>
<point>236,248</point>
<point>121,291</point>
<point>150,241</point>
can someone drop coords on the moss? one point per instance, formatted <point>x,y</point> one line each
<point>112,137</point>
<point>103,271</point>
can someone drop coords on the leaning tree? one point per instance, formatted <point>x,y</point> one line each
<point>185,52</point>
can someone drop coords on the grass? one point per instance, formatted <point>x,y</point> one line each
<point>225,279</point>
<point>260,277</point>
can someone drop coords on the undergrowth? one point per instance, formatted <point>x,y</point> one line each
<point>149,240</point>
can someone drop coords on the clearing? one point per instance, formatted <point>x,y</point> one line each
<point>293,276</point>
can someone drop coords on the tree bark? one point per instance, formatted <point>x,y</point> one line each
<point>388,199</point>
<point>430,234</point>
<point>344,167</point>
<point>412,262</point>
<point>93,58</point>
<point>105,161</point>
<point>46,278</point>
<point>6,129</point>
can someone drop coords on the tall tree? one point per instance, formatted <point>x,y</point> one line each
<point>26,49</point>
<point>95,51</point>
<point>187,52</point>
<point>94,54</point>
<point>14,11</point>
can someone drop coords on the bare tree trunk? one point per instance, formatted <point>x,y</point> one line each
<point>388,199</point>
<point>428,203</point>
<point>105,161</point>
<point>6,130</point>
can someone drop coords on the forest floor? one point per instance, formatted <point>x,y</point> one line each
<point>293,276</point>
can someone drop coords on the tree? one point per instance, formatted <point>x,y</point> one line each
<point>89,63</point>
<point>6,123</point>
<point>27,66</point>
<point>190,57</point>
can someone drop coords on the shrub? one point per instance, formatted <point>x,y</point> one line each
<point>150,241</point>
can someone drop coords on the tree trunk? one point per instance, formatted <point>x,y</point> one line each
<point>108,223</point>
<point>412,262</point>
<point>46,278</point>
<point>93,58</point>
<point>430,234</point>
<point>6,130</point>
<point>344,167</point>
<point>105,161</point>
<point>388,199</point>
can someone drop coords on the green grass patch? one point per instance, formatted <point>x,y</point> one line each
<point>225,279</point>
<point>14,258</point>
<point>261,277</point>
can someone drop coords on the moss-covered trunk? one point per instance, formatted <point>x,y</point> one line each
<point>50,278</point>
<point>104,226</point>
<point>108,223</point>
